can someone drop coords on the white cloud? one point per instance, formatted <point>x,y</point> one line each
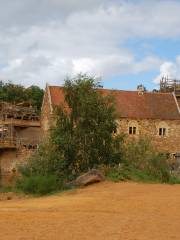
<point>170,70</point>
<point>46,41</point>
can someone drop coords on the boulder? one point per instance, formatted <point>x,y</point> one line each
<point>92,176</point>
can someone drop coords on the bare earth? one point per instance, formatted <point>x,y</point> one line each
<point>116,211</point>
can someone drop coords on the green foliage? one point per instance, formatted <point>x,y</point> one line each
<point>117,174</point>
<point>141,162</point>
<point>35,96</point>
<point>15,93</point>
<point>46,160</point>
<point>174,180</point>
<point>38,184</point>
<point>125,173</point>
<point>141,155</point>
<point>4,189</point>
<point>83,137</point>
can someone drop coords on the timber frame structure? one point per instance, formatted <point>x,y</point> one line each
<point>12,118</point>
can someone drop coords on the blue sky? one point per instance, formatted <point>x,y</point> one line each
<point>125,42</point>
<point>130,82</point>
<point>165,49</point>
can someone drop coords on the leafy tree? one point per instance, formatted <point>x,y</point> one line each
<point>155,90</point>
<point>10,92</point>
<point>85,132</point>
<point>35,95</point>
<point>16,93</point>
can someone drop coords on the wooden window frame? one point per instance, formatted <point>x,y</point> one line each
<point>132,130</point>
<point>162,131</point>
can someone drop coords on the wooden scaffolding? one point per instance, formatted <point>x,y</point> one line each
<point>7,137</point>
<point>170,85</point>
<point>18,111</point>
<point>12,118</point>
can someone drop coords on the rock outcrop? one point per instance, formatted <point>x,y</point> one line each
<point>91,177</point>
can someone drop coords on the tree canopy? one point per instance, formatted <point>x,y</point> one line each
<point>85,134</point>
<point>15,93</point>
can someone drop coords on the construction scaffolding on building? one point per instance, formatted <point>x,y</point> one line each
<point>7,138</point>
<point>15,118</point>
<point>17,111</point>
<point>170,85</point>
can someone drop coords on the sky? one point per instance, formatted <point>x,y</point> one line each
<point>122,42</point>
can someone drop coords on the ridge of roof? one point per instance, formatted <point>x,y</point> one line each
<point>119,90</point>
<point>175,99</point>
<point>131,104</point>
<point>49,97</point>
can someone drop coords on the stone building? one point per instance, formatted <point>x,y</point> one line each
<point>152,114</point>
<point>155,115</point>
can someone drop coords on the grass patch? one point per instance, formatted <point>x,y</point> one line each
<point>126,173</point>
<point>39,185</point>
<point>118,174</point>
<point>174,180</point>
<point>6,189</point>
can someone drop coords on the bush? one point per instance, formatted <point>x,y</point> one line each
<point>174,180</point>
<point>39,185</point>
<point>140,155</point>
<point>117,174</point>
<point>141,162</point>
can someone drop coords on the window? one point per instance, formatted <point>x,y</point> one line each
<point>132,130</point>
<point>162,131</point>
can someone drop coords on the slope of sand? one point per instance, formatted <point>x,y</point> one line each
<point>116,211</point>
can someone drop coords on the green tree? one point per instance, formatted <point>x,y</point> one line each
<point>15,93</point>
<point>35,95</point>
<point>85,134</point>
<point>10,92</point>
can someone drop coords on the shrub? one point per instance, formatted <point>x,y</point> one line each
<point>141,162</point>
<point>117,174</point>
<point>39,185</point>
<point>174,180</point>
<point>158,167</point>
<point>142,156</point>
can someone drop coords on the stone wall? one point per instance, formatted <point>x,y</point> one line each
<point>150,128</point>
<point>9,160</point>
<point>45,113</point>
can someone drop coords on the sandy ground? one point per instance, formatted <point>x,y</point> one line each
<point>116,211</point>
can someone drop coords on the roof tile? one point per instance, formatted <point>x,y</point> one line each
<point>130,104</point>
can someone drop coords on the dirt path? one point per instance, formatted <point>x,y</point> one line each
<point>115,211</point>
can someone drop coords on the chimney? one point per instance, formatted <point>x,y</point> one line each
<point>141,89</point>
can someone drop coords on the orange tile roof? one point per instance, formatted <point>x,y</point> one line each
<point>129,104</point>
<point>57,95</point>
